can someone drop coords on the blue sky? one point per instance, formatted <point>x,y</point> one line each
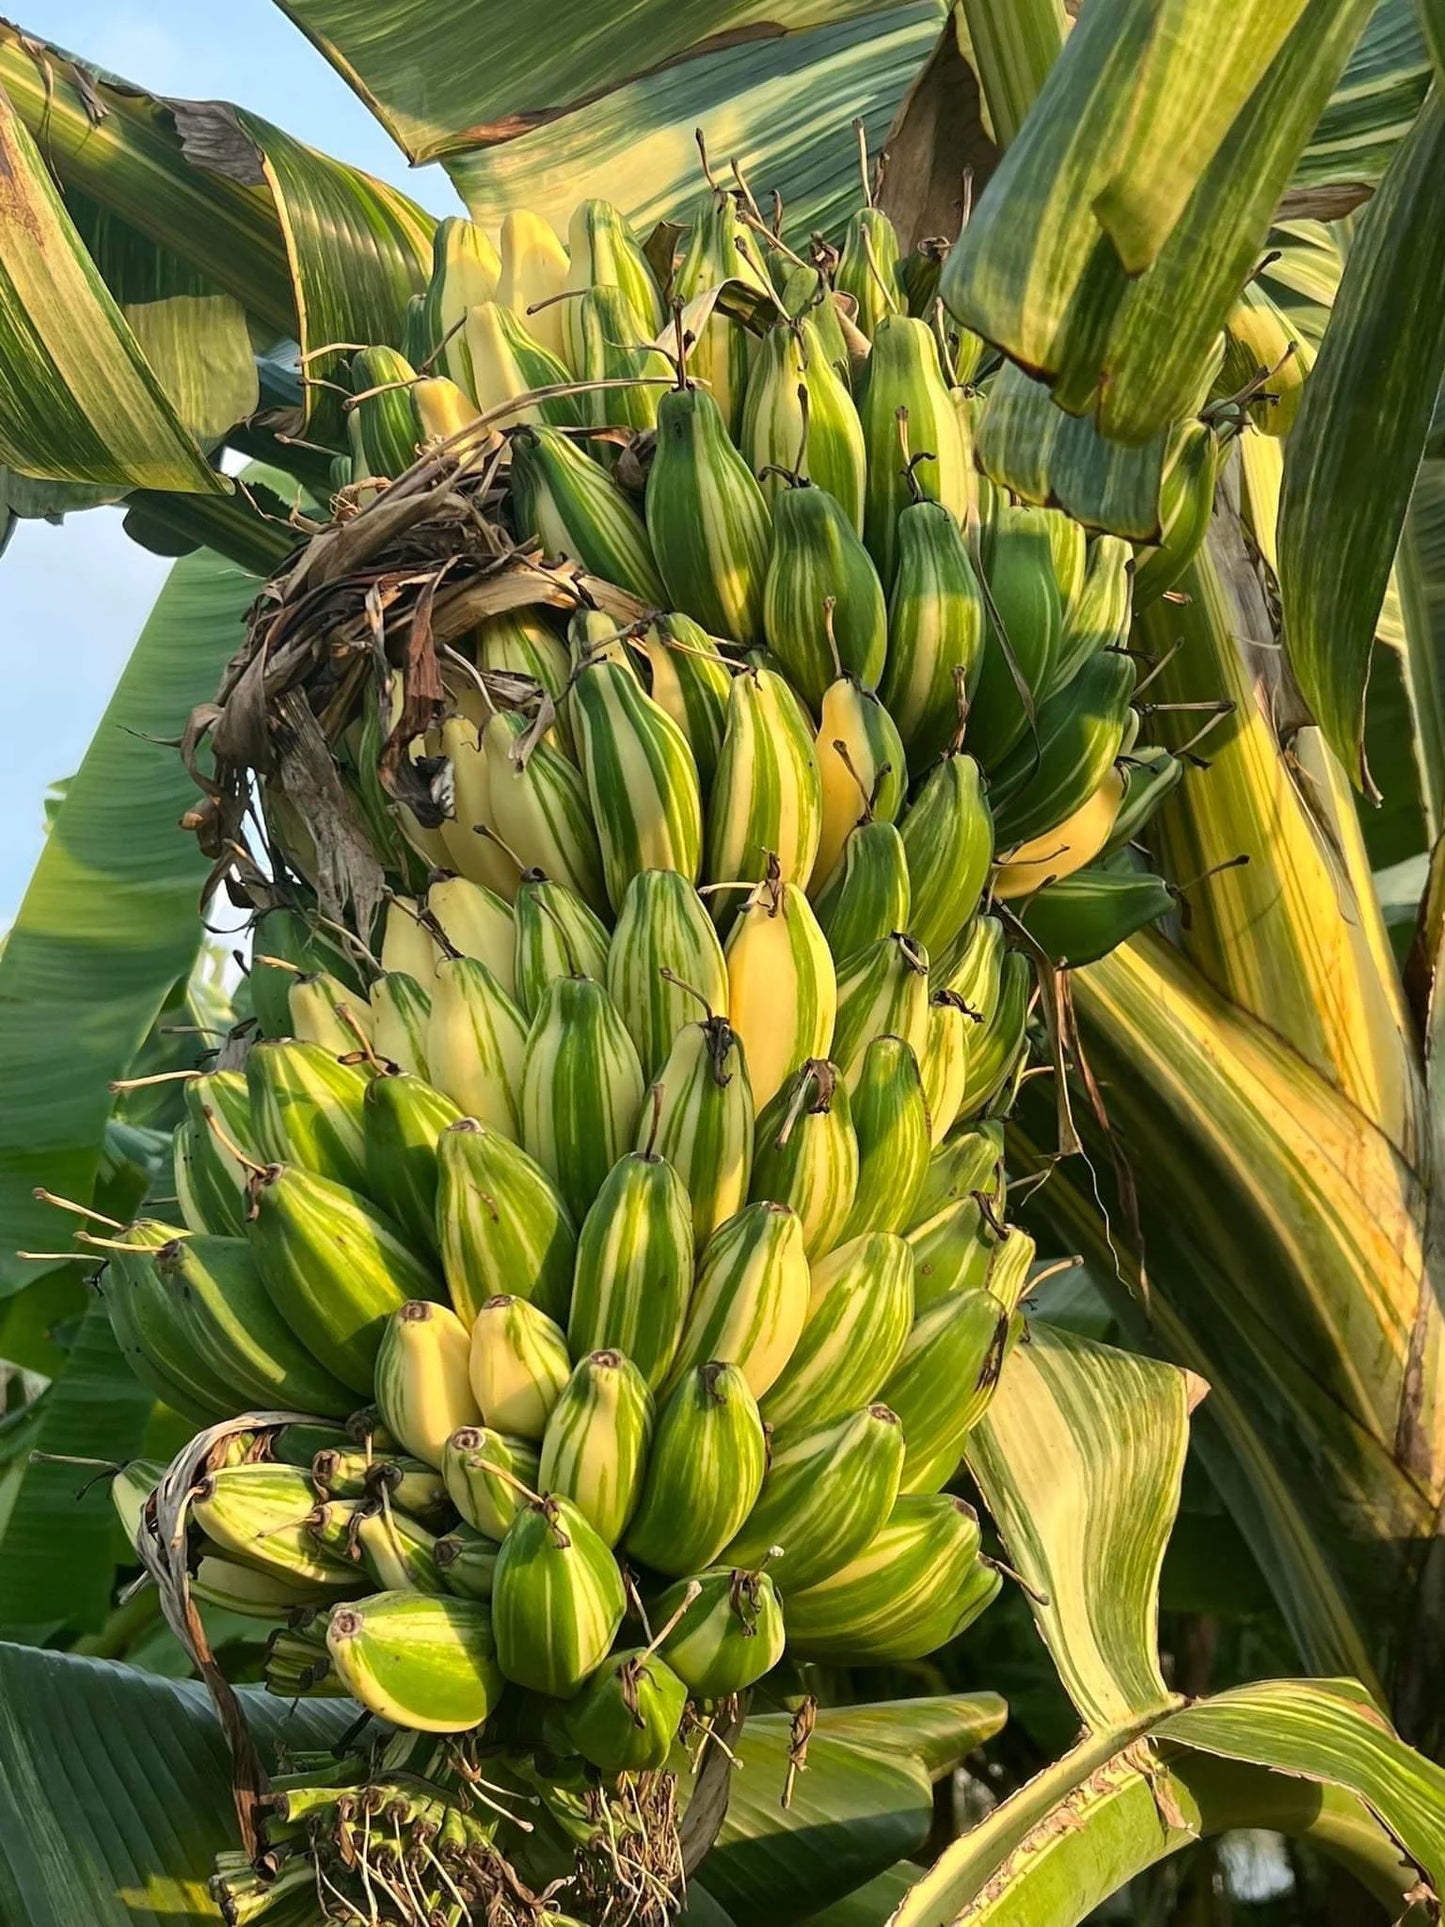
<point>75,596</point>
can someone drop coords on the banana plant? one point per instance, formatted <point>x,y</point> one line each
<point>1259,1076</point>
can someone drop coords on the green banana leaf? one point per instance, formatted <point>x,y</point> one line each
<point>1079,1459</point>
<point>1050,284</point>
<point>756,101</point>
<point>1027,443</point>
<point>1286,1267</point>
<point>61,1542</point>
<point>115,1789</point>
<point>442,80</point>
<point>81,401</point>
<point>126,150</point>
<point>1354,452</point>
<point>1011,45</point>
<point>1292,936</point>
<point>1085,1827</point>
<point>852,1814</point>
<point>109,921</point>
<point>310,247</point>
<point>114,1796</point>
<point>1372,107</point>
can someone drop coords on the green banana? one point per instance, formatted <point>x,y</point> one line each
<point>641,779</point>
<point>634,1266</point>
<point>610,346</point>
<point>882,992</point>
<point>1022,644</point>
<point>827,1494</point>
<point>750,1298</point>
<point>729,1636</point>
<point>467,1563</point>
<point>335,1267</point>
<point>465,272</point>
<point>381,423</point>
<point>210,1182</point>
<point>423,1387</point>
<point>306,1109</point>
<point>663,956</point>
<point>1186,504</point>
<point>1098,617</point>
<point>798,414</point>
<point>823,608</point>
<point>420,1662</point>
<point>917,1586</point>
<point>807,296</point>
<point>936,626</point>
<point>1149,775</point>
<point>890,1119</point>
<point>594,1450</point>
<point>502,1222</point>
<point>557,1598</point>
<point>806,1154</point>
<point>581,1088</point>
<point>941,1381</point>
<point>948,839</point>
<point>557,935</point>
<point>258,1513</point>
<point>603,254</point>
<point>906,402</point>
<point>719,248</point>
<point>945,1061</point>
<point>699,1117</point>
<point>626,1717</point>
<point>868,268</point>
<point>767,795</point>
<point>574,508</point>
<point>488,1476</point>
<point>477,1045</point>
<point>869,895</point>
<point>222,1309</point>
<point>1080,732</point>
<point>996,1050</point>
<point>860,1311</point>
<point>400,1013</point>
<point>519,1365</point>
<point>402,1119</point>
<point>691,680</point>
<point>704,1471</point>
<point>1084,916</point>
<point>706,518</point>
<point>782,987</point>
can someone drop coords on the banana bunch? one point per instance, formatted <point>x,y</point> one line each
<point>628,1206</point>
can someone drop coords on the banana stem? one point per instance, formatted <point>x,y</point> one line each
<point>693,1589</point>
<point>77,1210</point>
<point>228,1143</point>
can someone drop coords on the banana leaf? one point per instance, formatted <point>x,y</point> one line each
<point>109,921</point>
<point>1354,452</point>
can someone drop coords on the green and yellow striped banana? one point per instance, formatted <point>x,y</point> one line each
<point>782,988</point>
<point>706,518</point>
<point>633,1275</point>
<point>704,1471</point>
<point>423,1386</point>
<point>425,1663</point>
<point>823,608</point>
<point>581,1088</point>
<point>502,1223</point>
<point>518,1364</point>
<point>699,1117</point>
<point>891,1123</point>
<point>860,1311</point>
<point>827,1494</point>
<point>594,1450</point>
<point>556,1598</point>
<point>664,956</point>
<point>750,1298</point>
<point>806,1153</point>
